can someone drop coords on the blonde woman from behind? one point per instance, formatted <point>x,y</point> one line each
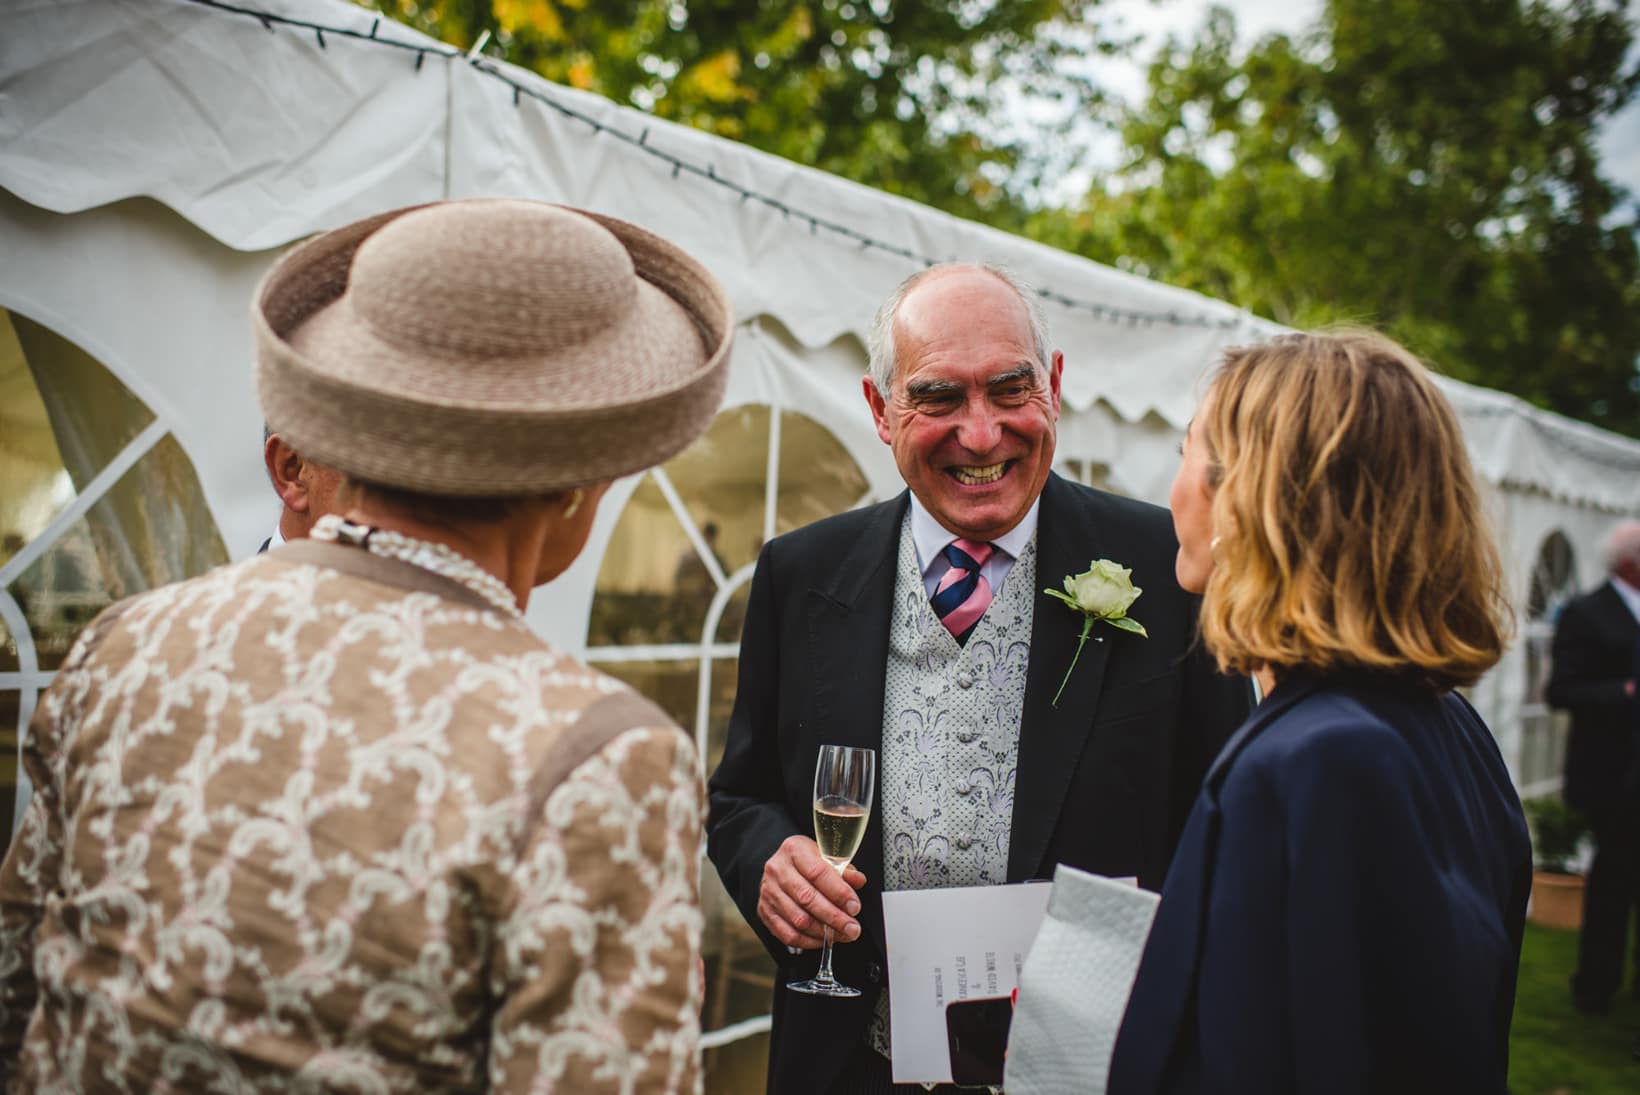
<point>1346,907</point>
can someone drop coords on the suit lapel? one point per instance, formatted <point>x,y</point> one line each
<point>848,611</point>
<point>1615,610</point>
<point>1051,738</point>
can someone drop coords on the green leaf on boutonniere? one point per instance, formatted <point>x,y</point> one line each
<point>1127,624</point>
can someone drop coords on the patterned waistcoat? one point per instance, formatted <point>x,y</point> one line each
<point>950,746</point>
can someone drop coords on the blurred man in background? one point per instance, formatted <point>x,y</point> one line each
<point>1596,650</point>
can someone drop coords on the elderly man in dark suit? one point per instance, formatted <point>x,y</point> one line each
<point>919,628</point>
<point>1596,651</point>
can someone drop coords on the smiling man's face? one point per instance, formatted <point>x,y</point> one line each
<point>972,411</point>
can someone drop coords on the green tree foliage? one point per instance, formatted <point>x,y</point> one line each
<point>895,94</point>
<point>1428,167</point>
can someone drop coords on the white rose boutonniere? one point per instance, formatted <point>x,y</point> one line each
<point>1105,591</point>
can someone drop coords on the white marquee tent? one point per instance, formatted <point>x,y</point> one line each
<point>156,155</point>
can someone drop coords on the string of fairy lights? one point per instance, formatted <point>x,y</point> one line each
<point>680,166</point>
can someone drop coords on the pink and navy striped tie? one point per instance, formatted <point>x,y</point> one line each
<point>963,594</point>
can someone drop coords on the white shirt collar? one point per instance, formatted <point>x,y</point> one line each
<point>278,537</point>
<point>1630,595</point>
<point>931,537</point>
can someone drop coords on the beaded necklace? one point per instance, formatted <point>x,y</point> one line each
<point>437,558</point>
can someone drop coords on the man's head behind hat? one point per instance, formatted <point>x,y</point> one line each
<point>490,348</point>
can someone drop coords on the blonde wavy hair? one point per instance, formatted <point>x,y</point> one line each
<point>1351,536</point>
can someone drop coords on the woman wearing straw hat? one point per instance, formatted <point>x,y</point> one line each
<point>1346,907</point>
<point>334,817</point>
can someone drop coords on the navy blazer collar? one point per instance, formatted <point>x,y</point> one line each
<point>1286,694</point>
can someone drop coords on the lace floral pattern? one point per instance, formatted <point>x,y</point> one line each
<point>951,734</point>
<point>238,875</point>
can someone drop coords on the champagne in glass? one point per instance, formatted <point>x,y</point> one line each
<point>838,827</point>
<point>844,779</point>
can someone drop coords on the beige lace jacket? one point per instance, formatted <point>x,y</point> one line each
<point>322,821</point>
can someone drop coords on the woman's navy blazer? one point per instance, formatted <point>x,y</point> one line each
<point>1344,913</point>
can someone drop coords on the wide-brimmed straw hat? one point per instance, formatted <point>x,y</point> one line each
<point>490,347</point>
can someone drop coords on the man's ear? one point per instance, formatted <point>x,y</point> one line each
<point>285,469</point>
<point>1056,370</point>
<point>879,410</point>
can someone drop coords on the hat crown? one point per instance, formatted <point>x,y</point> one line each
<point>490,347</point>
<point>490,279</point>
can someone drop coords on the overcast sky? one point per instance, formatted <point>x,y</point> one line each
<point>1619,144</point>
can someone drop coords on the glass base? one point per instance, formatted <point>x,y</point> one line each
<point>817,987</point>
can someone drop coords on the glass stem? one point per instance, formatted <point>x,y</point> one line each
<point>824,976</point>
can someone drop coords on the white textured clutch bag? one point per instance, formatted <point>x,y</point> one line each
<point>1075,983</point>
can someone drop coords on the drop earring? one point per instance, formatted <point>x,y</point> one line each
<point>574,506</point>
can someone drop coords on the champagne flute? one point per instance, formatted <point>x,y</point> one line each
<point>844,778</point>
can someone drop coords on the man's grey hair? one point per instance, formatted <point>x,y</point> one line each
<point>880,342</point>
<point>1622,546</point>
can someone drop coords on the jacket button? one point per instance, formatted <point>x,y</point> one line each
<point>965,679</point>
<point>874,972</point>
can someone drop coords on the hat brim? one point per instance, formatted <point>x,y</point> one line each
<point>654,385</point>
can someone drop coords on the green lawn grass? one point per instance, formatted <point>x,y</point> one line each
<point>1555,1049</point>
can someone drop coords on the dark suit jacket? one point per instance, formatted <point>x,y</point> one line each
<point>1345,911</point>
<point>1594,653</point>
<point>1104,780</point>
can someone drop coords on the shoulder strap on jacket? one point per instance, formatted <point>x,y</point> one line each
<point>598,725</point>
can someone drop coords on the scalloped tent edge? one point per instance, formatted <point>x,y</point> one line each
<point>157,155</point>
